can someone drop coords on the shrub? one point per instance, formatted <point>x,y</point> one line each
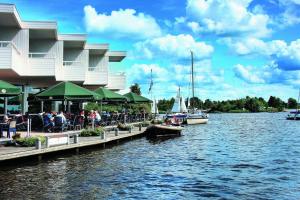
<point>156,121</point>
<point>145,124</point>
<point>92,132</point>
<point>30,141</point>
<point>124,127</point>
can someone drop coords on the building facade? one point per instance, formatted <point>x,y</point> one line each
<point>34,54</point>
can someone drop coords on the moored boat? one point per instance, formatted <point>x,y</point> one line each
<point>293,115</point>
<point>162,130</point>
<point>195,116</point>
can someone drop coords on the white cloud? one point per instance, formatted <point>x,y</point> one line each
<point>269,74</point>
<point>227,17</point>
<point>194,26</point>
<point>122,23</point>
<point>247,74</point>
<point>167,78</point>
<point>286,56</point>
<point>173,46</point>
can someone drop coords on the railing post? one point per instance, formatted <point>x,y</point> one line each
<point>140,127</point>
<point>68,140</point>
<point>38,144</point>
<point>116,131</point>
<point>76,138</point>
<point>47,142</point>
<point>129,131</point>
<point>103,135</point>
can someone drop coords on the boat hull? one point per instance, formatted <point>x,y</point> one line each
<point>155,131</point>
<point>191,121</point>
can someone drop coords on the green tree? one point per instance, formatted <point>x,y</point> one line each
<point>135,88</point>
<point>292,103</point>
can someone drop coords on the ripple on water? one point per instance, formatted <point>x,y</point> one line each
<point>234,156</point>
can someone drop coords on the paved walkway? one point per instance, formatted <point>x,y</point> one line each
<point>13,152</point>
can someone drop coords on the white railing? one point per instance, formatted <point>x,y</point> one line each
<point>117,73</point>
<point>4,44</point>
<point>96,69</point>
<point>40,55</point>
<point>71,63</point>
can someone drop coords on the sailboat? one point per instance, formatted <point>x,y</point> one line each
<point>195,116</point>
<point>295,115</point>
<point>160,130</point>
<point>179,111</point>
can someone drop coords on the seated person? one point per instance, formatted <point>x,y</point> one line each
<point>97,117</point>
<point>48,121</point>
<point>61,114</point>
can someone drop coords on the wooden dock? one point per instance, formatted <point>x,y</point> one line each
<point>12,153</point>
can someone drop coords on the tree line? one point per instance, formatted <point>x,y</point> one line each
<point>247,104</point>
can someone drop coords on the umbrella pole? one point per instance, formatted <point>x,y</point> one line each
<point>5,105</point>
<point>42,106</point>
<point>68,106</point>
<point>100,107</point>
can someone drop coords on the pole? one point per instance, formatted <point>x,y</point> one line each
<point>298,100</point>
<point>42,106</point>
<point>193,92</point>
<point>5,105</point>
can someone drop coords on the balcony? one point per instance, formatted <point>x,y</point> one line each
<point>41,64</point>
<point>10,56</point>
<point>73,71</point>
<point>116,81</point>
<point>96,76</point>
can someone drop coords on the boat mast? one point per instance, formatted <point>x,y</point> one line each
<point>298,100</point>
<point>193,92</point>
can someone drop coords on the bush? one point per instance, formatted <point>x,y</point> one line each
<point>92,132</point>
<point>124,127</point>
<point>30,141</point>
<point>156,121</point>
<point>145,124</point>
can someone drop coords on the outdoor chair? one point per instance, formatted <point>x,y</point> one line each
<point>59,124</point>
<point>10,128</point>
<point>21,123</point>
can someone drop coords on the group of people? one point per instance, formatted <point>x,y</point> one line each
<point>49,119</point>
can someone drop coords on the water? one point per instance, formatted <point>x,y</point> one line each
<point>235,156</point>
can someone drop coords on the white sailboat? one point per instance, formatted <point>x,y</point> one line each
<point>178,110</point>
<point>195,116</point>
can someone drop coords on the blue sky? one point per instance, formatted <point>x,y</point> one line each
<point>241,47</point>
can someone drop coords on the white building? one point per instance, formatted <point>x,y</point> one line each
<point>34,54</point>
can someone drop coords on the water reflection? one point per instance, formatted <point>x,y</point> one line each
<point>235,156</point>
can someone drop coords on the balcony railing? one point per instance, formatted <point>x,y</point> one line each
<point>96,69</point>
<point>40,55</point>
<point>5,44</point>
<point>71,63</point>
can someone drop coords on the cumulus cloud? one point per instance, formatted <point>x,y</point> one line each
<point>247,74</point>
<point>122,23</point>
<point>227,17</point>
<point>269,74</point>
<point>167,78</point>
<point>173,46</point>
<point>285,56</point>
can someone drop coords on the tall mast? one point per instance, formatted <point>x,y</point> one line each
<point>193,92</point>
<point>298,100</point>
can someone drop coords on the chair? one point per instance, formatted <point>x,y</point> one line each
<point>58,124</point>
<point>21,123</point>
<point>10,128</point>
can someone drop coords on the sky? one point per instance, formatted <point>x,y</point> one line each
<point>241,47</point>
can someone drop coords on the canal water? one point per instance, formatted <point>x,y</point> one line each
<point>235,156</point>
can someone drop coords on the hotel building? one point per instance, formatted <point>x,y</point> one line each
<point>34,55</point>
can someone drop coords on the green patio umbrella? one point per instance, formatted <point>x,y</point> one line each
<point>67,91</point>
<point>108,95</point>
<point>8,90</point>
<point>134,98</point>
